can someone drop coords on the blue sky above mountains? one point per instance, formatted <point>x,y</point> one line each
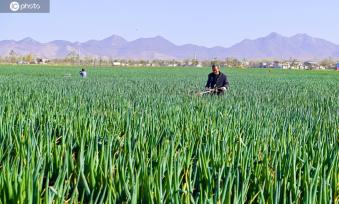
<point>207,23</point>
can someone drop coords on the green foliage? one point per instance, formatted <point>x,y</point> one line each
<point>140,135</point>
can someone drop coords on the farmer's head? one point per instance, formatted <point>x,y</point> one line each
<point>215,69</point>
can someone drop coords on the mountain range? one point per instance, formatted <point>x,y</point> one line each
<point>273,46</point>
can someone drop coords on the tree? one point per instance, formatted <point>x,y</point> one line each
<point>12,56</point>
<point>100,61</point>
<point>195,62</point>
<point>232,62</point>
<point>328,63</point>
<point>28,58</point>
<point>72,57</point>
<point>142,63</point>
<point>87,60</point>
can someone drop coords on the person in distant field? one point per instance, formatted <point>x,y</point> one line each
<point>217,82</point>
<point>83,73</point>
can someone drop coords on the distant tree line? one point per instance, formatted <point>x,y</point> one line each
<point>73,59</point>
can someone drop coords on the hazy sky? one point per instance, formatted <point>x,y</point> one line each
<point>203,22</point>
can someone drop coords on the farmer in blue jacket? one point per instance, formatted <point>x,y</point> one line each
<point>83,73</point>
<point>217,82</point>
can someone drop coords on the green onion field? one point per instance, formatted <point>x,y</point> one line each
<point>141,135</point>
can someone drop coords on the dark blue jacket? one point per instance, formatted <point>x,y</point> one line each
<point>217,81</point>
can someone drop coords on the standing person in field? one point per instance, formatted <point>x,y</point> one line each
<point>83,73</point>
<point>217,82</point>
